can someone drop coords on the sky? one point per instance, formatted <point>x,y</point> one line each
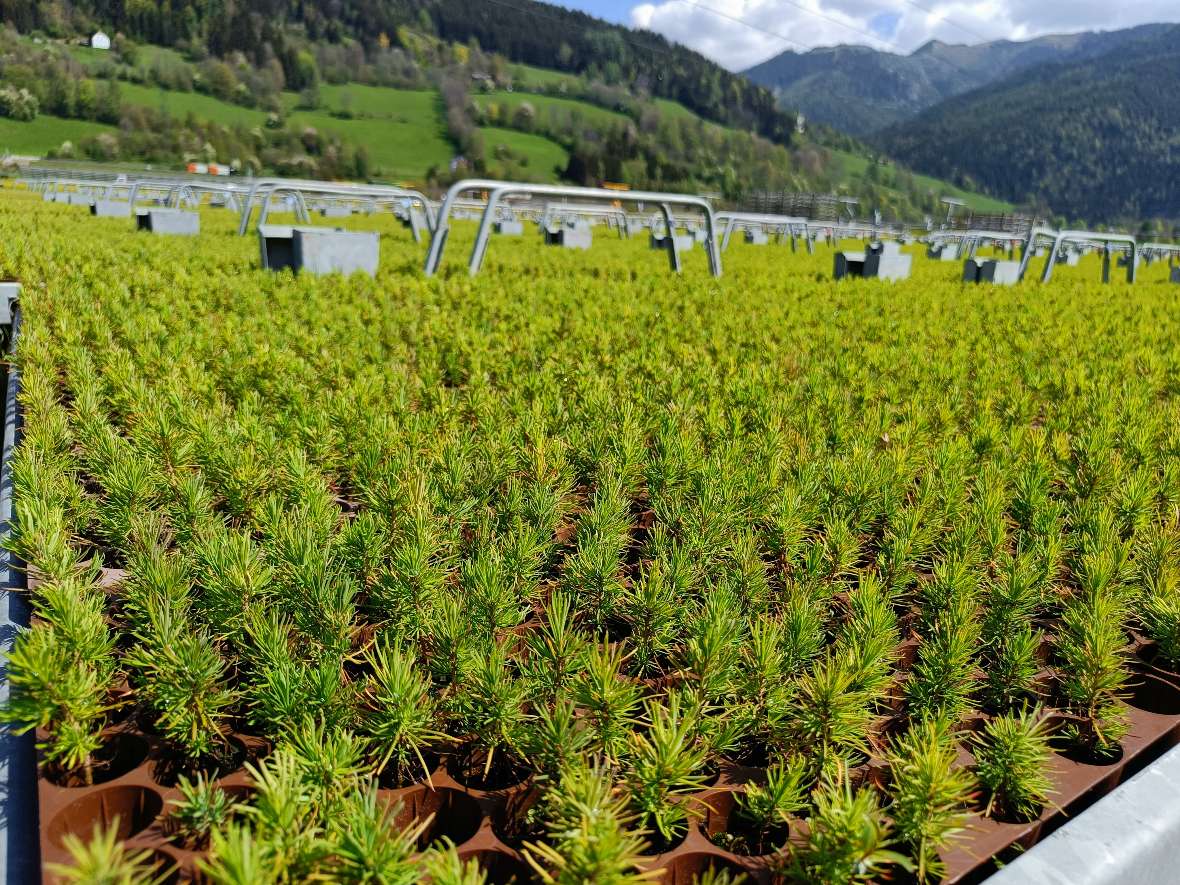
<point>741,33</point>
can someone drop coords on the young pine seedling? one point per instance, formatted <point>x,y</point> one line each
<point>665,764</point>
<point>609,699</point>
<point>765,810</point>
<point>490,705</point>
<point>945,675</point>
<point>399,714</point>
<point>828,718</point>
<point>850,842</point>
<point>203,807</point>
<point>928,795</point>
<point>1161,619</point>
<point>1094,652</point>
<point>1010,663</point>
<point>650,608</point>
<point>1012,757</point>
<point>52,690</point>
<point>592,835</point>
<point>367,844</point>
<point>556,652</point>
<point>105,859</point>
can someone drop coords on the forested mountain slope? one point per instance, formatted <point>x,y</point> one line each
<point>1097,140</point>
<point>860,90</point>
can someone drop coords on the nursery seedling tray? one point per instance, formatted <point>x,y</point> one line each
<point>133,784</point>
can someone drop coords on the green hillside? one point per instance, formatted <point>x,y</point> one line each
<point>409,116</point>
<point>37,137</point>
<point>591,115</point>
<point>857,166</point>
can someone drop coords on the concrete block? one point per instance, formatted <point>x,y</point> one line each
<point>998,273</point>
<point>570,237</point>
<point>943,252</point>
<point>336,211</point>
<point>169,222</point>
<point>9,295</point>
<point>110,209</point>
<point>849,264</point>
<point>322,250</point>
<point>509,228</point>
<point>757,238</point>
<point>1175,277</point>
<point>277,244</point>
<point>683,242</point>
<point>79,199</point>
<point>881,260</point>
<point>319,250</point>
<point>887,267</point>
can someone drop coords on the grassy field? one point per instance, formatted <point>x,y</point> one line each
<point>420,107</point>
<point>181,104</point>
<point>37,137</point>
<point>545,157</point>
<point>526,76</point>
<point>597,117</point>
<point>855,165</point>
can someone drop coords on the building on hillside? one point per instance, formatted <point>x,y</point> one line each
<point>100,41</point>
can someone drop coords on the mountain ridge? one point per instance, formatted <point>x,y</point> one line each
<point>1094,137</point>
<point>862,90</point>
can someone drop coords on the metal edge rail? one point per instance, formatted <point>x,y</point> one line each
<point>1127,836</point>
<point>20,860</point>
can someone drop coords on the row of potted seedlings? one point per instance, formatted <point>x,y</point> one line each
<point>507,623</point>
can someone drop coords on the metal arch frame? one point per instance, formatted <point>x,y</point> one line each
<point>195,190</point>
<point>1153,251</point>
<point>557,212</point>
<point>269,189</point>
<point>790,224</point>
<point>1060,238</point>
<point>479,250</point>
<point>971,240</point>
<point>842,230</point>
<point>264,189</point>
<point>499,189</point>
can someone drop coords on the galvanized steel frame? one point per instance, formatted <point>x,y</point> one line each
<point>498,190</point>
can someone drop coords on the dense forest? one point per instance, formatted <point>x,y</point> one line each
<point>523,30</point>
<point>1096,140</point>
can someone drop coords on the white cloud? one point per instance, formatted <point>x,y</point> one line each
<point>741,33</point>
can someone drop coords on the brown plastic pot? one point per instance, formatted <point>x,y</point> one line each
<point>725,828</point>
